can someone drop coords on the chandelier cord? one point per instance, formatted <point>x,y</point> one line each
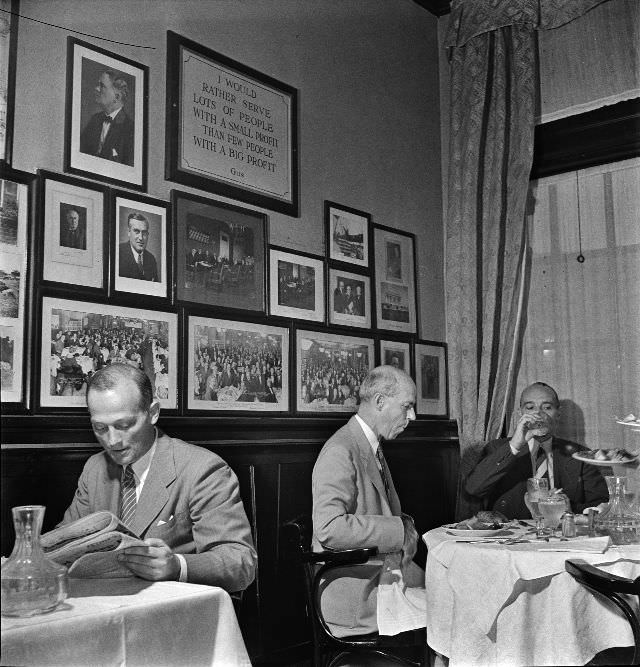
<point>580,257</point>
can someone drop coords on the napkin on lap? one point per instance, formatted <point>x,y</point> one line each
<point>596,545</point>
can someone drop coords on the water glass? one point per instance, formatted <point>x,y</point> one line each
<point>552,508</point>
<point>537,488</point>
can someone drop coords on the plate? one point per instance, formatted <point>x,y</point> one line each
<point>589,459</point>
<point>485,532</point>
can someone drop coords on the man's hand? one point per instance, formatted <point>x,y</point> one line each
<point>154,561</point>
<point>410,543</point>
<point>525,431</point>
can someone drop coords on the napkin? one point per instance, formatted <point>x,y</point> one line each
<point>595,545</point>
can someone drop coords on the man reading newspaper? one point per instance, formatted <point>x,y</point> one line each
<point>181,500</point>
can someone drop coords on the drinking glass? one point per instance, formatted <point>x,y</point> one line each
<point>537,488</point>
<point>552,508</point>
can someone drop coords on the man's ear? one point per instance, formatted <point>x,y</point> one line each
<point>154,411</point>
<point>379,401</point>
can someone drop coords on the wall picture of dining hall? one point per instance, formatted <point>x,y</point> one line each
<point>468,410</point>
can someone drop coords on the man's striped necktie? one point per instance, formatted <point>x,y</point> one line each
<point>383,470</point>
<point>127,495</point>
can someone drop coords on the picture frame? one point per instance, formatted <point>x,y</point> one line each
<point>349,299</point>
<point>72,237</point>
<point>15,279</point>
<point>141,235</point>
<point>220,252</point>
<point>9,18</point>
<point>329,370</point>
<point>348,235</point>
<point>230,129</point>
<point>430,364</point>
<point>80,337</point>
<point>101,83</point>
<point>395,280</point>
<point>237,366</point>
<point>396,353</point>
<point>296,285</point>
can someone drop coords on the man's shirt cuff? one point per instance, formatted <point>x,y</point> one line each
<point>183,567</point>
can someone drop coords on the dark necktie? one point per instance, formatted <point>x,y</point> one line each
<point>140,267</point>
<point>127,495</point>
<point>107,119</point>
<point>542,466</point>
<point>383,470</point>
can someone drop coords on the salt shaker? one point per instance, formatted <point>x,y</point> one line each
<point>568,525</point>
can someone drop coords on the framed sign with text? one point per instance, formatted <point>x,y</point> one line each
<point>230,129</point>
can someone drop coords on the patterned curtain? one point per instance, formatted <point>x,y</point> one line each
<point>494,98</point>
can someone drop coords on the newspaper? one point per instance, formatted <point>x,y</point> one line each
<point>89,546</point>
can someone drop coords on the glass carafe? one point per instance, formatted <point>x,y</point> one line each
<point>31,583</point>
<point>621,520</point>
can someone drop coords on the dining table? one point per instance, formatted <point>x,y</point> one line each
<point>129,622</point>
<point>506,599</point>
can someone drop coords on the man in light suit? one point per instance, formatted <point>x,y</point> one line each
<point>187,505</point>
<point>355,504</point>
<point>135,261</point>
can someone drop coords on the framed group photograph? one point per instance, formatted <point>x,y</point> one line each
<point>349,299</point>
<point>329,371</point>
<point>395,279</point>
<point>396,353</point>
<point>141,239</point>
<point>230,129</point>
<point>348,235</point>
<point>237,366</point>
<point>106,116</point>
<point>73,237</point>
<point>14,218</point>
<point>8,53</point>
<point>220,253</point>
<point>431,379</point>
<point>79,338</point>
<point>296,285</point>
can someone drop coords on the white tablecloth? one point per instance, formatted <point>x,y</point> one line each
<point>492,604</point>
<point>129,622</point>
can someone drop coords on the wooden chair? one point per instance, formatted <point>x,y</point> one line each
<point>329,650</point>
<point>613,588</point>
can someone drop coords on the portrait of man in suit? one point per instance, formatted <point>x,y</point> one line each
<point>135,261</point>
<point>109,133</point>
<point>73,227</point>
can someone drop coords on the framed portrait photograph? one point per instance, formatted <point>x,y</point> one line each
<point>349,299</point>
<point>296,285</point>
<point>230,129</point>
<point>396,353</point>
<point>14,223</point>
<point>348,233</point>
<point>431,379</point>
<point>9,17</point>
<point>237,366</point>
<point>395,279</point>
<point>220,253</point>
<point>79,338</point>
<point>106,116</point>
<point>141,239</point>
<point>329,371</point>
<point>73,237</point>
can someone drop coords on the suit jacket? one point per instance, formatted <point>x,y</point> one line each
<point>74,239</point>
<point>501,478</point>
<point>119,142</point>
<point>129,269</point>
<point>350,511</point>
<point>196,495</point>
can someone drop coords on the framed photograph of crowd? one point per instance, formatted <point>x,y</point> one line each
<point>395,279</point>
<point>220,253</point>
<point>348,235</point>
<point>106,116</point>
<point>8,53</point>
<point>230,129</point>
<point>296,285</point>
<point>14,219</point>
<point>396,353</point>
<point>329,371</point>
<point>237,366</point>
<point>349,299</point>
<point>431,379</point>
<point>79,338</point>
<point>141,238</point>
<point>72,233</point>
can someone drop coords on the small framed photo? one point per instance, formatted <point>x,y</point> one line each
<point>106,116</point>
<point>348,235</point>
<point>73,234</point>
<point>349,299</point>
<point>395,279</point>
<point>236,366</point>
<point>141,240</point>
<point>396,353</point>
<point>14,294</point>
<point>431,379</point>
<point>10,11</point>
<point>329,371</point>
<point>296,285</point>
<point>220,253</point>
<point>79,338</point>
